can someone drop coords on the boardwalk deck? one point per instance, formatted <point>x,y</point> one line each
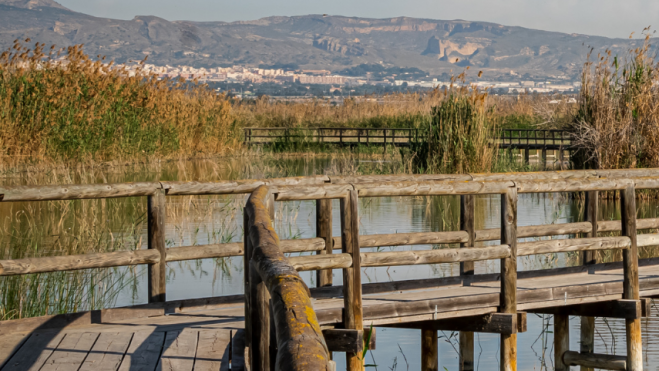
<point>199,340</point>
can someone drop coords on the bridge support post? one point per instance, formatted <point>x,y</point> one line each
<point>429,350</point>
<point>630,281</point>
<point>467,211</point>
<point>527,153</point>
<point>324,231</point>
<point>352,282</point>
<point>588,257</point>
<point>561,341</point>
<point>508,301</point>
<point>544,158</point>
<point>156,205</point>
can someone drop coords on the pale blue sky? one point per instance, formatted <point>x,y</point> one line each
<point>612,18</point>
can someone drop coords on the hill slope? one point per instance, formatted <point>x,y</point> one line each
<point>311,42</point>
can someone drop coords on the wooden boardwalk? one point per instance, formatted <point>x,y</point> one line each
<point>281,324</point>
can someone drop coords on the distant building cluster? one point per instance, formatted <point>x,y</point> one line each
<point>242,74</point>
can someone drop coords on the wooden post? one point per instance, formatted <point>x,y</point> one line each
<point>247,250</point>
<point>467,208</point>
<point>544,157</point>
<point>630,281</point>
<point>561,341</point>
<point>385,141</point>
<point>527,153</point>
<point>156,205</point>
<point>259,343</point>
<point>429,350</point>
<point>508,301</point>
<point>588,257</point>
<point>352,285</point>
<point>324,231</point>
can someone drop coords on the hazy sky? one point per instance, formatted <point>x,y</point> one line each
<point>612,18</point>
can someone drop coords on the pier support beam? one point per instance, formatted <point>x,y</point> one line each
<point>508,301</point>
<point>467,212</point>
<point>630,281</point>
<point>429,350</point>
<point>156,205</point>
<point>561,341</point>
<point>587,329</point>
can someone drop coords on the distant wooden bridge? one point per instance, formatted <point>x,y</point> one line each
<point>281,324</point>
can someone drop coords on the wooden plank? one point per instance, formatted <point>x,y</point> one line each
<point>237,351</point>
<point>577,244</point>
<point>179,351</point>
<point>212,350</point>
<point>414,257</point>
<point>9,344</point>
<point>108,352</point>
<point>410,308</point>
<point>508,303</point>
<point>76,262</point>
<point>429,350</point>
<point>496,323</point>
<point>77,191</point>
<point>157,273</point>
<point>71,352</point>
<point>320,262</point>
<point>587,328</point>
<point>624,308</point>
<point>599,361</point>
<point>34,352</point>
<point>324,232</point>
<point>143,353</point>
<point>236,186</point>
<point>403,239</point>
<point>352,287</point>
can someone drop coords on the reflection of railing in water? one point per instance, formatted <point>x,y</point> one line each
<point>467,310</point>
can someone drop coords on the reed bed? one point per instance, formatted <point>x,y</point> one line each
<point>62,106</point>
<point>618,118</point>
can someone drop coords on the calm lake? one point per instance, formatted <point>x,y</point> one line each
<point>202,220</point>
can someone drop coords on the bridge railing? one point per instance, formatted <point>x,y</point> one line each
<point>339,136</point>
<point>348,190</point>
<point>537,137</point>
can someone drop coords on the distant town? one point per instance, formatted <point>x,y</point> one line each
<point>243,82</point>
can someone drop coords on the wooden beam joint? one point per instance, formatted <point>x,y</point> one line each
<point>348,340</point>
<point>628,309</point>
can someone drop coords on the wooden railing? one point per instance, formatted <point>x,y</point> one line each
<point>348,190</point>
<point>338,136</point>
<point>535,138</point>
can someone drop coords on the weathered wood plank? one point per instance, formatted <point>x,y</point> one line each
<point>75,262</point>
<point>631,289</point>
<point>497,323</point>
<point>237,186</point>
<point>77,191</point>
<point>211,350</point>
<point>71,352</point>
<point>179,351</point>
<point>467,224</point>
<point>599,361</point>
<point>579,244</point>
<point>143,353</point>
<point>9,344</point>
<point>348,340</point>
<point>108,352</point>
<point>320,262</point>
<point>624,308</point>
<point>413,257</point>
<point>34,352</point>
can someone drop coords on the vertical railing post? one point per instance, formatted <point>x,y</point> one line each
<point>630,281</point>
<point>156,205</point>
<point>352,287</point>
<point>385,141</point>
<point>467,209</point>
<point>324,231</point>
<point>508,301</point>
<point>587,344</point>
<point>247,251</point>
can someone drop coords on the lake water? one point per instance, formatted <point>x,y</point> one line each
<point>202,220</point>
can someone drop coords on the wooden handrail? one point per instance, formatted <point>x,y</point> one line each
<point>300,344</point>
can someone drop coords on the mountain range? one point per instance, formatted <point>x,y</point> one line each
<point>311,42</point>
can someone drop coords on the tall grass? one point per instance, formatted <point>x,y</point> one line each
<point>459,136</point>
<point>63,106</point>
<point>618,118</point>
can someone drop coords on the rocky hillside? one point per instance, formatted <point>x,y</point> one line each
<point>310,42</point>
